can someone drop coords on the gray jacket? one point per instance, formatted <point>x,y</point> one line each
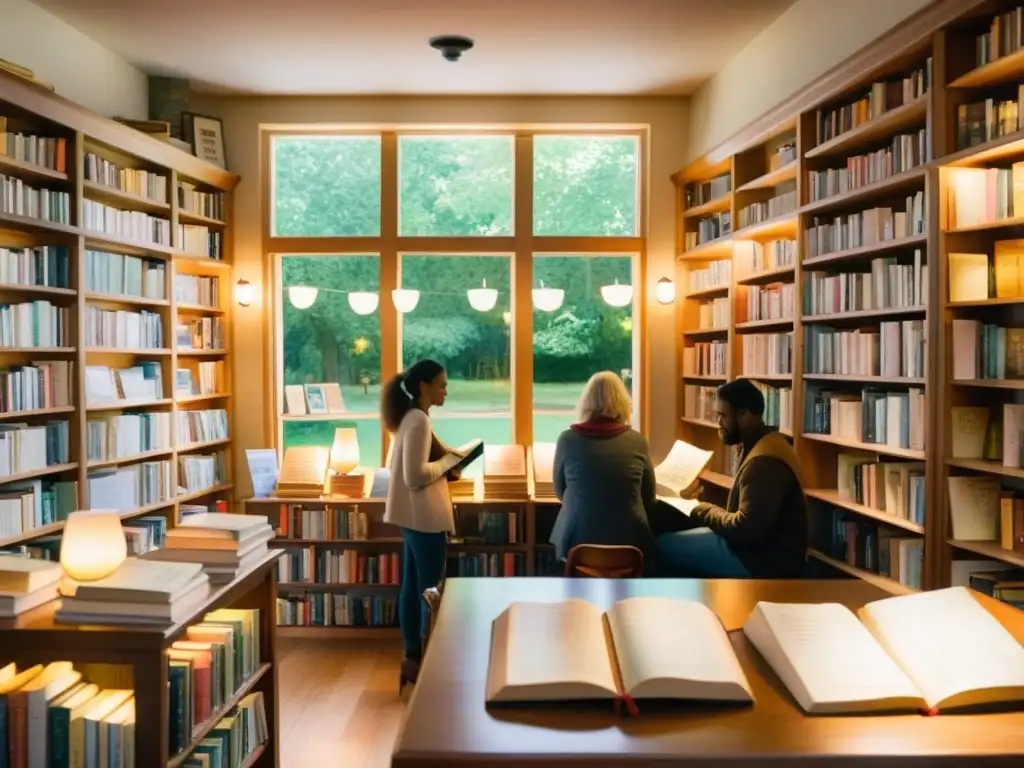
<point>606,485</point>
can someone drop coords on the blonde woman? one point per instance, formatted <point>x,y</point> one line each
<point>603,474</point>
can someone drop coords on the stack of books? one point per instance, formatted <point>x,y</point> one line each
<point>463,488</point>
<point>26,583</point>
<point>302,473</point>
<point>351,485</point>
<point>225,545</point>
<point>139,592</point>
<point>543,466</point>
<point>505,472</point>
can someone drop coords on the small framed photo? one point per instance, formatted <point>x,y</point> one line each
<point>206,135</point>
<point>316,402</point>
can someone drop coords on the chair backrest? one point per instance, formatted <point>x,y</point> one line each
<point>432,597</point>
<point>601,561</point>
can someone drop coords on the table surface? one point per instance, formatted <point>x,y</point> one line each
<point>448,722</point>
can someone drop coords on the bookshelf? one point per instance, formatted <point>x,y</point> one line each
<point>129,247</point>
<point>135,658</point>
<point>905,149</point>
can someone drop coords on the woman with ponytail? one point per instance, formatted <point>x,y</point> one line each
<point>418,502</point>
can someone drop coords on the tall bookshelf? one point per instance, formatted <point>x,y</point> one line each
<point>864,146</point>
<point>127,199</point>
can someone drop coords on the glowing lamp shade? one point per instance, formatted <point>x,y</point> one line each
<point>93,545</point>
<point>482,299</point>
<point>617,295</point>
<point>405,299</point>
<point>302,296</point>
<point>363,302</point>
<point>243,293</point>
<point>547,299</point>
<point>345,451</point>
<point>665,291</point>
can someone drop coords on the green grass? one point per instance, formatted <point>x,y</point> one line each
<point>463,396</point>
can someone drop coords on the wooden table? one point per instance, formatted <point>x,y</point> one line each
<point>449,725</point>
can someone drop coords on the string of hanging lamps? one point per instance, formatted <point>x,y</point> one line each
<point>482,298</point>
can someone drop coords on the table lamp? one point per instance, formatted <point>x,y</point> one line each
<point>93,545</point>
<point>345,451</point>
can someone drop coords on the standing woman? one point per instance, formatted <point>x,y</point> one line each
<point>418,498</point>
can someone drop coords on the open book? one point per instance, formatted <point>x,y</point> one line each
<point>679,471</point>
<point>462,456</point>
<point>642,648</point>
<point>924,651</point>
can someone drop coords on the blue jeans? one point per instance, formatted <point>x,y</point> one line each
<point>423,562</point>
<point>699,553</point>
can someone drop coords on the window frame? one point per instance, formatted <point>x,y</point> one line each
<point>389,246</point>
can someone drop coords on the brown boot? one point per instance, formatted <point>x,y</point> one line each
<point>410,672</point>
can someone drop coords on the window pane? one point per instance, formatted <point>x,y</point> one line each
<point>326,186</point>
<point>473,345</point>
<point>582,336</point>
<point>322,433</point>
<point>586,185</point>
<point>329,342</point>
<point>455,185</point>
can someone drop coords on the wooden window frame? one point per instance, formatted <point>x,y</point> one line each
<point>389,246</point>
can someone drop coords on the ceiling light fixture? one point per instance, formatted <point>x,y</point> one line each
<point>451,46</point>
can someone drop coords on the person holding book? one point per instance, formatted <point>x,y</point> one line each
<point>418,501</point>
<point>762,531</point>
<point>603,474</point>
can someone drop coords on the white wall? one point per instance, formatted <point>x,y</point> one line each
<point>82,70</point>
<point>806,41</point>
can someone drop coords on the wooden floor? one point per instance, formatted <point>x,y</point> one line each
<point>339,702</point>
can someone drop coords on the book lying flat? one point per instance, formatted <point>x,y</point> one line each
<point>679,471</point>
<point>926,651</point>
<point>641,648</point>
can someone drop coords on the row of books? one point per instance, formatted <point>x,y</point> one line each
<point>883,96</point>
<point>864,228</point>
<point>121,275</point>
<point>706,359</point>
<point>129,487</point>
<point>893,419</point>
<point>778,205</point>
<point>39,265</point>
<point>191,199</point>
<point>127,225</point>
<point>977,277</point>
<point>888,285</point>
<point>767,354</point>
<point>121,435</point>
<point>25,448</point>
<point>318,565</point>
<point>489,564</point>
<point>123,329</point>
<point>38,324</point>
<point>197,289</point>
<point>199,240</point>
<point>979,196</point>
<point>21,199</point>
<point>980,121</point>
<point>200,426</point>
<point>40,385</point>
<point>30,505</point>
<point>500,527</point>
<point>712,275</point>
<point>324,609</point>
<point>134,181</point>
<point>198,471</point>
<point>711,228</point>
<point>897,349</point>
<point>894,487</point>
<point>44,151</point>
<point>993,433</point>
<point>200,333</point>
<point>208,378</point>
<point>752,257</point>
<point>771,302</point>
<point>905,152</point>
<point>874,547</point>
<point>702,192</point>
<point>332,522</point>
<point>142,382</point>
<point>714,314</point>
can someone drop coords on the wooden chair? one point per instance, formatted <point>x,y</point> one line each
<point>601,561</point>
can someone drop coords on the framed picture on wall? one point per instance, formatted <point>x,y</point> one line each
<point>206,135</point>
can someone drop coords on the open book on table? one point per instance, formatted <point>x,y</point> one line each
<point>462,456</point>
<point>931,650</point>
<point>641,648</point>
<point>679,471</point>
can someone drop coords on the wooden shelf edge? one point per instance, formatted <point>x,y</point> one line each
<point>865,250</point>
<point>767,276</point>
<point>892,120</point>
<point>1001,70</point>
<point>780,175</point>
<point>718,205</point>
<point>885,450</point>
<point>829,496</point>
<point>990,549</point>
<point>337,632</point>
<point>883,582</point>
<point>896,181</point>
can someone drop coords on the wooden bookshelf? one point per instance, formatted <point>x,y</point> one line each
<point>945,135</point>
<point>530,552</point>
<point>145,176</point>
<point>135,658</point>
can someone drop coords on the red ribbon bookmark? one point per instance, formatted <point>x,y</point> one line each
<point>631,707</point>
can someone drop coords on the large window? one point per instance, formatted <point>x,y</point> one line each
<point>374,272</point>
<point>331,367</point>
<point>582,324</point>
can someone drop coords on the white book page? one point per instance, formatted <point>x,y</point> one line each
<point>680,468</point>
<point>556,651</point>
<point>675,649</point>
<point>682,505</point>
<point>946,642</point>
<point>826,657</point>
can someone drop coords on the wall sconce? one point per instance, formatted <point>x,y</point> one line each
<point>243,293</point>
<point>665,291</point>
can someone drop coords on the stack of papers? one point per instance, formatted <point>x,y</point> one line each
<point>225,545</point>
<point>543,466</point>
<point>26,583</point>
<point>505,472</point>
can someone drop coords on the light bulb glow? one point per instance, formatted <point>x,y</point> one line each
<point>482,299</point>
<point>405,299</point>
<point>302,296</point>
<point>364,302</point>
<point>617,295</point>
<point>665,291</point>
<point>243,293</point>
<point>547,299</point>
<point>93,545</point>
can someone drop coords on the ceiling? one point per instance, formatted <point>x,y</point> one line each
<point>338,47</point>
